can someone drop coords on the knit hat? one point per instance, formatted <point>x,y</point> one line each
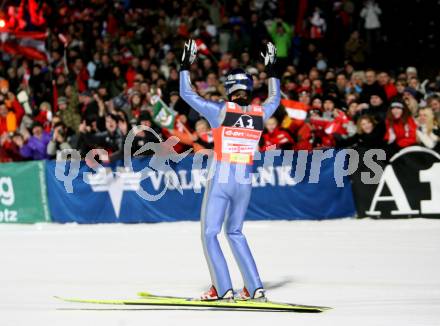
<point>62,100</point>
<point>144,116</point>
<point>397,103</point>
<point>382,96</point>
<point>411,70</point>
<point>411,91</point>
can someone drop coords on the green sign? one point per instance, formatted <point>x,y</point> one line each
<point>23,196</point>
<point>163,116</point>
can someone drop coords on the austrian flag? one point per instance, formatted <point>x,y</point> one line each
<point>295,110</point>
<point>28,44</point>
<point>202,47</point>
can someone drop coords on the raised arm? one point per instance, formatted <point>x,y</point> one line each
<point>274,95</point>
<point>208,109</point>
<point>272,29</point>
<point>288,28</point>
<point>273,99</point>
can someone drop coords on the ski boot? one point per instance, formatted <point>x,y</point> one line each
<point>259,295</point>
<point>212,295</point>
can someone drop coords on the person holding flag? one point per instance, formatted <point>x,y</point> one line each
<point>236,126</point>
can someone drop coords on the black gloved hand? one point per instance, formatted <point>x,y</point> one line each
<point>269,58</point>
<point>189,54</point>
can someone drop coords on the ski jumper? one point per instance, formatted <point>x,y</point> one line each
<point>236,130</point>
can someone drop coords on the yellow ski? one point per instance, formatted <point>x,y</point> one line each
<point>152,300</point>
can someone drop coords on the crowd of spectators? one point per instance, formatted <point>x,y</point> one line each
<point>120,56</point>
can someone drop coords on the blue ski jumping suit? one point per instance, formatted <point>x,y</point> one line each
<point>227,197</point>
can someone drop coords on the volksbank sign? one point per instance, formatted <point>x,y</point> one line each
<point>146,191</point>
<point>116,183</point>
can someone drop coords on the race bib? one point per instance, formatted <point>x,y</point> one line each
<point>240,144</point>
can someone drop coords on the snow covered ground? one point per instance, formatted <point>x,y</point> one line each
<point>371,272</point>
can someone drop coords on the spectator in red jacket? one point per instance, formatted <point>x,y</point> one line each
<point>81,75</point>
<point>390,89</point>
<point>304,138</point>
<point>9,149</point>
<point>400,126</point>
<point>202,136</point>
<point>44,116</point>
<point>324,124</point>
<point>275,137</point>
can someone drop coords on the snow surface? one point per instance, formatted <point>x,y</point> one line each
<point>371,272</point>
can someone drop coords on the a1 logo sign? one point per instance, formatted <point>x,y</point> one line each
<point>397,194</point>
<point>430,176</point>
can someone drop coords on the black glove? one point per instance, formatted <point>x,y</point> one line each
<point>189,54</point>
<point>269,59</point>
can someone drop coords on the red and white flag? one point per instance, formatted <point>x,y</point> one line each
<point>202,47</point>
<point>28,44</point>
<point>337,125</point>
<point>295,110</point>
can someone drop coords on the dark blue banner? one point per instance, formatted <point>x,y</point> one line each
<point>285,190</point>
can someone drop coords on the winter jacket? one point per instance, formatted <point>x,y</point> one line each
<point>204,141</point>
<point>54,147</point>
<point>12,120</point>
<point>70,116</point>
<point>278,139</point>
<point>429,140</point>
<point>282,42</point>
<point>371,14</point>
<point>355,50</point>
<point>325,129</point>
<point>373,89</point>
<point>375,139</point>
<point>401,134</point>
<point>10,152</point>
<point>111,142</point>
<point>304,138</point>
<point>36,148</point>
<point>390,90</point>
